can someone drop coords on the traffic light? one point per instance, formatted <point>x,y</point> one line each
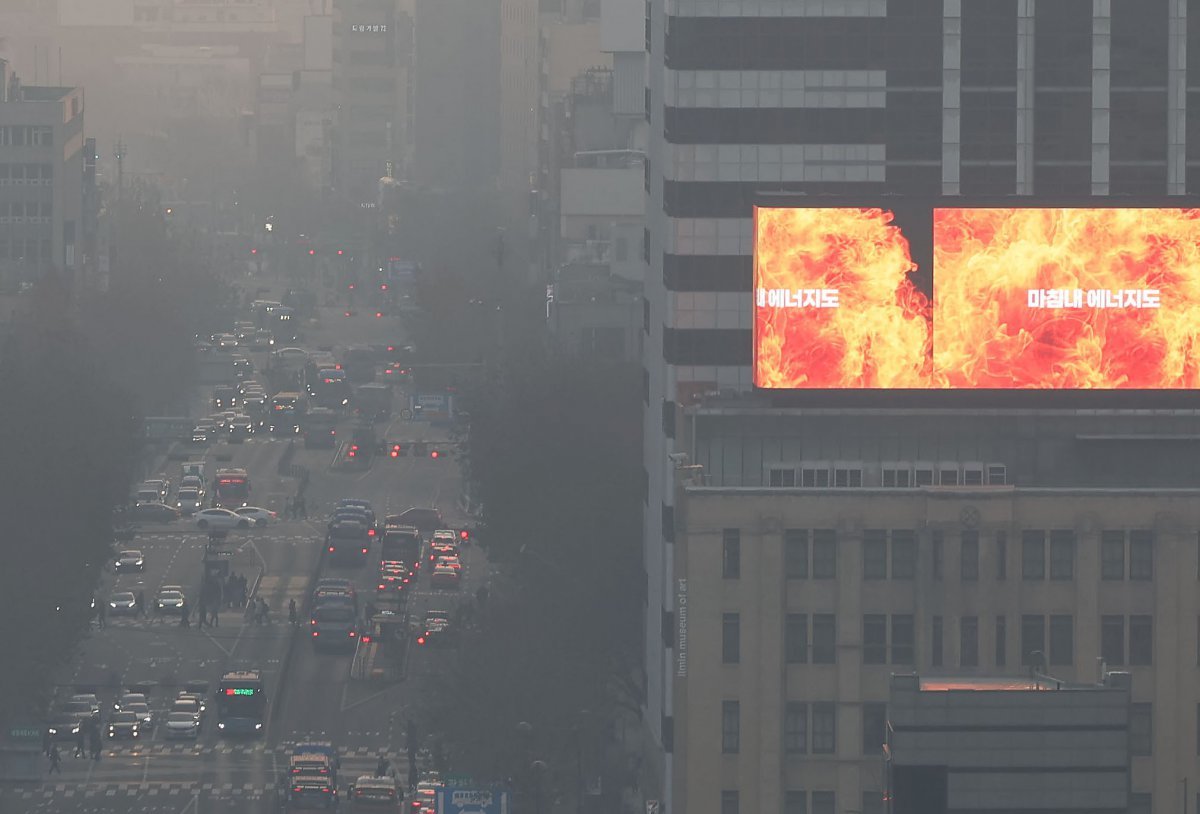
<point>339,252</point>
<point>378,314</point>
<point>254,251</point>
<point>464,535</point>
<point>433,453</point>
<point>312,252</point>
<point>397,450</point>
<point>353,453</point>
<point>421,639</point>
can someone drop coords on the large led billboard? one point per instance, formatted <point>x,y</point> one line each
<point>1062,298</point>
<point>835,305</point>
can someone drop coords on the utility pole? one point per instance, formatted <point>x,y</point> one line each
<point>119,154</point>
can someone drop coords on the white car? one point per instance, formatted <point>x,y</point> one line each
<point>182,725</point>
<point>129,560</point>
<point>219,519</point>
<point>259,516</point>
<point>143,713</point>
<point>291,357</point>
<point>190,500</point>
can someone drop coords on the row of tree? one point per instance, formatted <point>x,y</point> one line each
<point>80,368</point>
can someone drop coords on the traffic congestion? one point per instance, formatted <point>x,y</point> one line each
<point>282,580</point>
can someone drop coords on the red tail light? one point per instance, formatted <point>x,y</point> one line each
<point>352,634</point>
<point>364,551</point>
<point>370,532</point>
<point>312,621</point>
<point>464,534</point>
<point>381,587</point>
<point>331,549</point>
<point>420,640</point>
<point>316,633</point>
<point>378,314</point>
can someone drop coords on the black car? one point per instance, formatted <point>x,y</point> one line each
<point>426,519</point>
<point>124,725</point>
<point>155,512</point>
<point>63,727</point>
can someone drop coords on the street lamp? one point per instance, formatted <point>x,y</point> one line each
<point>537,767</point>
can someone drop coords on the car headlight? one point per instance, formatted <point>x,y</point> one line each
<point>221,725</point>
<point>112,604</point>
<point>52,731</point>
<point>258,726</point>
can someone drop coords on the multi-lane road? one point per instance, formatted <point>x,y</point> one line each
<point>311,694</point>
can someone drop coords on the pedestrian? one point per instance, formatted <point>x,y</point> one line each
<point>264,610</point>
<point>212,619</point>
<point>184,614</point>
<point>251,615</point>
<point>202,616</point>
<point>382,767</point>
<point>230,581</point>
<point>81,742</point>
<point>46,743</point>
<point>101,611</point>
<point>287,507</point>
<point>55,759</point>
<point>243,593</point>
<point>292,617</point>
<point>139,604</point>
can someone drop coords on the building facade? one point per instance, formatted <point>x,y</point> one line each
<point>372,60</point>
<point>862,97</point>
<point>819,551</point>
<point>41,179</point>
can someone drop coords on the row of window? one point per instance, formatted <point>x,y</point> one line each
<point>26,135</point>
<point>900,477</point>
<point>26,174</point>
<point>27,249</point>
<point>19,211</point>
<point>812,728</point>
<point>813,553</point>
<point>1045,640</point>
<point>800,801</point>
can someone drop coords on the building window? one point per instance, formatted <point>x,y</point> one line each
<point>968,641</point>
<point>731,638</point>
<point>847,478</point>
<point>1141,640</point>
<point>795,728</point>
<point>899,478</point>
<point>1033,640</point>
<point>824,639</point>
<point>731,727</point>
<point>1001,641</point>
<point>824,729</point>
<point>1141,554</point>
<point>874,554</point>
<point>1062,554</point>
<point>1112,555</point>
<point>1141,802</point>
<point>1112,640</point>
<point>935,655</point>
<point>795,553</point>
<point>1033,554</point>
<point>729,801</point>
<point>795,638</point>
<point>823,802</point>
<point>795,801</point>
<point>904,554</point>
<point>969,556</point>
<point>731,553</point>
<point>781,477</point>
<point>1001,555</point>
<point>824,564</point>
<point>937,554</point>
<point>812,478</point>
<point>1062,640</point>
<point>874,728</point>
<point>872,802</point>
<point>874,638</point>
<point>1141,729</point>
<point>902,638</point>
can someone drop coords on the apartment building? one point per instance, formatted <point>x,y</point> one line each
<point>819,551</point>
<point>861,97</point>
<point>41,179</point>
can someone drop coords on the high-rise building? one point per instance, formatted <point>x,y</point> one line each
<point>857,98</point>
<point>41,179</point>
<point>372,60</point>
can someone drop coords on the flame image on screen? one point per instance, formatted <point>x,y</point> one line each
<point>1066,298</point>
<point>843,311</point>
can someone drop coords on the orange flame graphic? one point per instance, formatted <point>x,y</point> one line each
<point>879,333</point>
<point>993,329</point>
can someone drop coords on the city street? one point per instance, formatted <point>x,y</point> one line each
<point>311,694</point>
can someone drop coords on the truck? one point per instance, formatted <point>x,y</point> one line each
<point>373,402</point>
<point>193,468</point>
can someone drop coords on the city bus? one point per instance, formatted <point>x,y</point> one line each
<point>231,489</point>
<point>287,413</point>
<point>241,703</point>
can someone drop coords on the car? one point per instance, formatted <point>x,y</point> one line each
<point>428,520</point>
<point>449,561</point>
<point>375,794</point>
<point>182,725</point>
<point>82,711</point>
<point>437,628</point>
<point>203,433</point>
<point>129,698</point>
<point>335,583</point>
<point>325,748</point>
<point>142,711</point>
<point>226,342</point>
<point>448,535</point>
<point>122,603</point>
<point>257,515</point>
<point>129,560</point>
<point>124,725</point>
<point>90,699</point>
<point>311,764</point>
<point>197,698</point>
<point>170,599</point>
<point>189,501</point>
<point>219,519</point>
<point>155,512</point>
<point>219,421</point>
<point>163,486</point>
<point>290,358</point>
<point>246,385</point>
<point>192,482</point>
<point>63,727</point>
<point>240,428</point>
<point>242,366</point>
<point>440,548</point>
<point>262,340</point>
<point>444,577</point>
<point>188,703</point>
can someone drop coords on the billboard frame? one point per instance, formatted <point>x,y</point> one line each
<point>1119,399</point>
